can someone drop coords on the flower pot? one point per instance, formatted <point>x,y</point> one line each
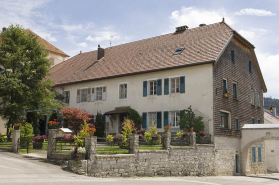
<point>52,127</point>
<point>166,130</point>
<point>38,145</point>
<point>16,128</point>
<point>91,133</point>
<point>77,156</point>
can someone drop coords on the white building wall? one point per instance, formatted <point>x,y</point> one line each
<point>57,58</point>
<point>198,93</point>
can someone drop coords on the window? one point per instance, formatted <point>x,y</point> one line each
<point>52,61</point>
<point>253,120</point>
<point>259,154</point>
<point>254,154</point>
<point>224,120</point>
<point>67,96</point>
<point>225,86</point>
<point>178,51</point>
<point>257,99</point>
<point>99,93</point>
<point>235,91</point>
<point>174,119</point>
<point>122,91</point>
<point>250,66</point>
<point>175,85</point>
<point>152,117</point>
<point>259,121</point>
<point>237,124</point>
<point>83,95</point>
<point>252,97</point>
<point>232,55</point>
<point>153,87</point>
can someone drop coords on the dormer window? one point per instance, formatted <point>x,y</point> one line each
<point>178,51</point>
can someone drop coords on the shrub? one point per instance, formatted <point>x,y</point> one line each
<point>109,139</point>
<point>189,120</point>
<point>26,131</point>
<point>148,135</point>
<point>134,116</point>
<point>83,132</point>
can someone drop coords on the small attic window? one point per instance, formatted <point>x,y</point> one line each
<point>178,51</point>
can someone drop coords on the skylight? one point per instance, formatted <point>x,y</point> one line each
<point>178,51</point>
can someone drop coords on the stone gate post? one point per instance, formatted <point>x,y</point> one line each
<point>133,143</point>
<point>192,138</point>
<point>16,136</point>
<point>166,139</point>
<point>51,142</point>
<point>91,147</point>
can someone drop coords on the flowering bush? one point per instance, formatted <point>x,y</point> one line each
<point>140,132</point>
<point>167,127</point>
<point>156,135</point>
<point>119,136</point>
<point>81,150</point>
<point>180,134</point>
<point>17,124</point>
<point>68,139</point>
<point>38,138</point>
<point>89,129</point>
<point>148,135</point>
<point>50,123</point>
<point>109,139</point>
<point>202,133</point>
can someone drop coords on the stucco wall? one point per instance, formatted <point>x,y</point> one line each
<point>57,58</point>
<point>198,93</point>
<point>272,155</point>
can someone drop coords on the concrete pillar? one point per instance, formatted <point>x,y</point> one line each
<point>134,143</point>
<point>91,147</point>
<point>192,138</point>
<point>15,144</point>
<point>166,140</point>
<point>51,142</point>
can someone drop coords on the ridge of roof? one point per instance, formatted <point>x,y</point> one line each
<point>48,46</point>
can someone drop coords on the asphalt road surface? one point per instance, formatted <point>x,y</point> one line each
<point>16,169</point>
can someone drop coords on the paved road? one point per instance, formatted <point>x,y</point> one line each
<point>16,169</point>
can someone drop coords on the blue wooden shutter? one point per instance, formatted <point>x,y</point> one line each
<point>259,121</point>
<point>237,124</point>
<point>250,66</point>
<point>259,154</point>
<point>232,53</point>
<point>166,86</point>
<point>253,154</point>
<point>159,87</point>
<point>182,84</point>
<point>166,118</point>
<point>144,120</point>
<point>159,119</point>
<point>253,120</point>
<point>144,88</point>
<point>235,91</point>
<point>225,85</point>
<point>104,120</point>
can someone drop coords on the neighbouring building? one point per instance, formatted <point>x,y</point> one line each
<point>211,68</point>
<point>55,56</point>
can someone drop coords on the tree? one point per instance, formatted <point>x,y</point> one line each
<point>189,120</point>
<point>74,118</point>
<point>99,125</point>
<point>23,85</point>
<point>133,115</point>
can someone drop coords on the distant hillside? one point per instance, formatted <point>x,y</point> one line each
<point>268,102</point>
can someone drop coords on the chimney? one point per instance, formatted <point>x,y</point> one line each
<point>274,111</point>
<point>181,28</point>
<point>4,29</point>
<point>202,25</point>
<point>101,52</point>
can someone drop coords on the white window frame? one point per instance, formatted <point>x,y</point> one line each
<point>175,84</point>
<point>66,96</point>
<point>177,118</point>
<point>119,90</point>
<point>252,98</point>
<point>229,119</point>
<point>154,89</point>
<point>96,95</point>
<point>80,95</point>
<point>154,118</point>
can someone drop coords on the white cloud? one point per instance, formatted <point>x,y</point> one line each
<point>78,27</point>
<point>102,36</point>
<point>255,12</point>
<point>83,44</point>
<point>192,17</point>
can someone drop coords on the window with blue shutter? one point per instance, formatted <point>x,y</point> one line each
<point>166,118</point>
<point>104,120</point>
<point>225,85</point>
<point>235,91</point>
<point>254,154</point>
<point>166,86</point>
<point>159,119</point>
<point>253,120</point>
<point>259,154</point>
<point>144,120</point>
<point>250,66</point>
<point>232,55</point>
<point>159,87</point>
<point>182,84</point>
<point>237,124</point>
<point>259,121</point>
<point>144,88</point>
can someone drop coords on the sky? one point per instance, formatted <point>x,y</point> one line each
<point>75,26</point>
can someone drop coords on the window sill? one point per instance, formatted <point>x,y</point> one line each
<point>152,96</point>
<point>237,100</point>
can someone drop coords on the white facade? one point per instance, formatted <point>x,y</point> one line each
<point>198,94</point>
<point>55,58</point>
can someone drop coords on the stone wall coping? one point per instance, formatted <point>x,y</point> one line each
<point>206,145</point>
<point>182,147</point>
<point>153,151</point>
<point>115,156</point>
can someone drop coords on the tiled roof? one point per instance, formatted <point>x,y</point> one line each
<point>202,44</point>
<point>49,46</point>
<point>270,118</point>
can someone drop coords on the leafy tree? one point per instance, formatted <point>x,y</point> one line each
<point>23,85</point>
<point>74,118</point>
<point>99,125</point>
<point>133,115</point>
<point>189,120</point>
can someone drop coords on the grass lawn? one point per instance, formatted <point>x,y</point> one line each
<point>6,144</point>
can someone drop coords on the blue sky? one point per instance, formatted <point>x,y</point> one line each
<point>75,26</point>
